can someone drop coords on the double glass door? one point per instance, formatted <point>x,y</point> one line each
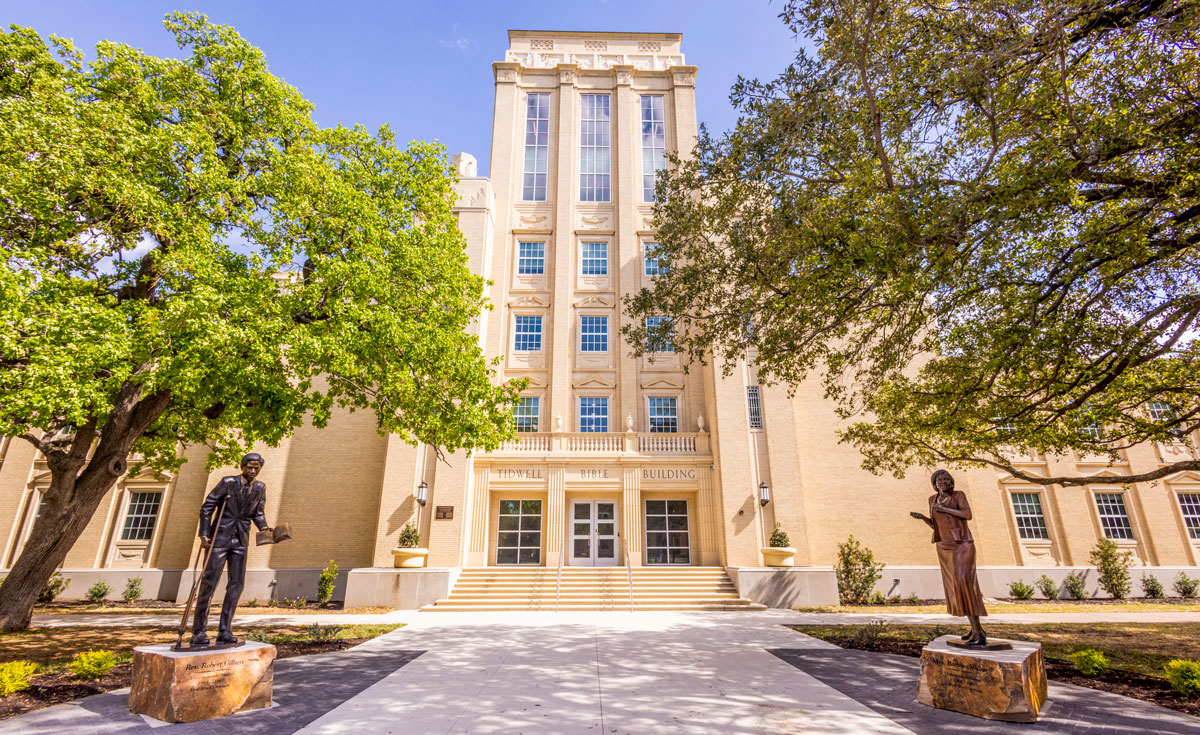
<point>593,537</point>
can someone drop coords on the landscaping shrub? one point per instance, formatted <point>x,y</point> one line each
<point>1185,585</point>
<point>296,602</point>
<point>867,636</point>
<point>91,665</point>
<point>1113,566</point>
<point>98,591</point>
<point>1151,587</point>
<point>321,633</point>
<point>326,582</point>
<point>1020,590</point>
<point>1184,676</point>
<point>14,676</point>
<point>856,572</point>
<point>410,538</point>
<point>1048,587</point>
<point>779,539</point>
<point>1090,662</point>
<point>133,590</point>
<point>1075,586</point>
<point>55,586</point>
<point>936,632</point>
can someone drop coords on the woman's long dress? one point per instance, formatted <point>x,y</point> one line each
<point>956,556</point>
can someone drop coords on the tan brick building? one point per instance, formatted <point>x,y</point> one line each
<point>621,462</point>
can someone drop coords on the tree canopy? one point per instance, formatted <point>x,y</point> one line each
<point>190,259</point>
<point>976,222</point>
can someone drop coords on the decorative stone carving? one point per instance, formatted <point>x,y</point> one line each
<point>558,424</point>
<point>186,686</point>
<point>608,61</point>
<point>595,45</point>
<point>465,165</point>
<point>566,76</point>
<point>629,423</point>
<point>624,77</point>
<point>539,44</point>
<point>700,422</point>
<point>995,685</point>
<point>593,222</point>
<point>504,74</point>
<point>684,79</point>
<point>533,219</point>
<point>649,46</point>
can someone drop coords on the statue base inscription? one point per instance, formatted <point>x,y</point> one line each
<point>996,685</point>
<point>186,686</point>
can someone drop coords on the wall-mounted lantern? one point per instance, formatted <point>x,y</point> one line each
<point>764,493</point>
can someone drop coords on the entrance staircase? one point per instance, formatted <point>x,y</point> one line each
<point>591,588</point>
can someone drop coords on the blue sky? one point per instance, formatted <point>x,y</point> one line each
<point>425,67</point>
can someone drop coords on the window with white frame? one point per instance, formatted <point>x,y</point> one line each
<point>1031,523</point>
<point>593,414</point>
<point>754,406</point>
<point>141,516</point>
<point>531,258</point>
<point>537,146</point>
<point>658,338</point>
<point>654,265</point>
<point>654,143</point>
<point>1093,431</point>
<point>1113,518</point>
<point>528,334</point>
<point>593,259</point>
<point>595,159</point>
<point>664,415</point>
<point>593,334</point>
<point>526,413</point>
<point>1004,427</point>
<point>1189,504</point>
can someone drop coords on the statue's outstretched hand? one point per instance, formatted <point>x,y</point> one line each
<point>918,516</point>
<point>205,542</point>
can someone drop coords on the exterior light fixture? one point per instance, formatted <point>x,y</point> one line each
<point>764,493</point>
<point>422,493</point>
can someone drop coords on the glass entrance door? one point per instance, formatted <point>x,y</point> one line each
<point>593,533</point>
<point>667,537</point>
<point>520,537</point>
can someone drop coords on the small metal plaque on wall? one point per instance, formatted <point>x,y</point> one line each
<point>444,512</point>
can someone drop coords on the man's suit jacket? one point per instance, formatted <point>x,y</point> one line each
<point>240,510</point>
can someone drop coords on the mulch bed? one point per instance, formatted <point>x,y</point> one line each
<point>1126,683</point>
<point>47,690</point>
<point>68,606</point>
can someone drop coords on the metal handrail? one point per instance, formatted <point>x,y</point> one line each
<point>628,570</point>
<point>562,557</point>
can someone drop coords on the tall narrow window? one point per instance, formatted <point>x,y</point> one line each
<point>1027,508</point>
<point>1113,518</point>
<point>528,334</point>
<point>754,406</point>
<point>593,334</point>
<point>594,259</point>
<point>654,266</point>
<point>595,159</point>
<point>654,143</point>
<point>519,539</point>
<point>1189,503</point>
<point>593,414</point>
<point>664,415</point>
<point>531,258</point>
<point>537,146</point>
<point>526,412</point>
<point>659,337</point>
<point>141,516</point>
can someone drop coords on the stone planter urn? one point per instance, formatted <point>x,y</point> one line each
<point>409,558</point>
<point>779,556</point>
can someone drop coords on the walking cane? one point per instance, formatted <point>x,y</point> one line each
<point>199,577</point>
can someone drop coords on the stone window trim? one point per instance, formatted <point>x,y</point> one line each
<point>1188,503</point>
<point>531,258</point>
<point>1028,508</point>
<point>523,339</point>
<point>536,146</point>
<point>142,508</point>
<point>1113,515</point>
<point>651,265</point>
<point>595,147</point>
<point>588,408</point>
<point>594,258</point>
<point>653,140</point>
<point>658,421</point>
<point>527,413</point>
<point>595,332</point>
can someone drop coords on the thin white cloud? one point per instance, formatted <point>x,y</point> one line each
<point>457,41</point>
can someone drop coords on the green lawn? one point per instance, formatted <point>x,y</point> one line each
<point>1007,607</point>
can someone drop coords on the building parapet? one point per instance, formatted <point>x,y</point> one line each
<point>614,444</point>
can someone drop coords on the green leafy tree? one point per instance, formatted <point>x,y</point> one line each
<point>1112,565</point>
<point>190,259</point>
<point>977,223</point>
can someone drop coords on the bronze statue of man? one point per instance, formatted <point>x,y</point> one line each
<point>949,512</point>
<point>235,502</point>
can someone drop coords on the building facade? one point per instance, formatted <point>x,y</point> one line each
<point>619,461</point>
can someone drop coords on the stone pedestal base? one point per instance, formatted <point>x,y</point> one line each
<point>185,686</point>
<point>996,685</point>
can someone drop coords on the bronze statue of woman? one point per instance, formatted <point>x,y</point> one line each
<point>949,512</point>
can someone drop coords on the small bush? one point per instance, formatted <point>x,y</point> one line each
<point>1184,676</point>
<point>14,676</point>
<point>55,586</point>
<point>257,637</point>
<point>856,572</point>
<point>937,631</point>
<point>1076,586</point>
<point>1151,587</point>
<point>296,602</point>
<point>1020,590</point>
<point>252,603</point>
<point>410,538</point>
<point>779,539</point>
<point>1048,587</point>
<point>91,665</point>
<point>1185,585</point>
<point>322,633</point>
<point>98,591</point>
<point>1090,662</point>
<point>326,582</point>
<point>867,636</point>
<point>877,598</point>
<point>1113,565</point>
<point>133,590</point>
<point>913,599</point>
